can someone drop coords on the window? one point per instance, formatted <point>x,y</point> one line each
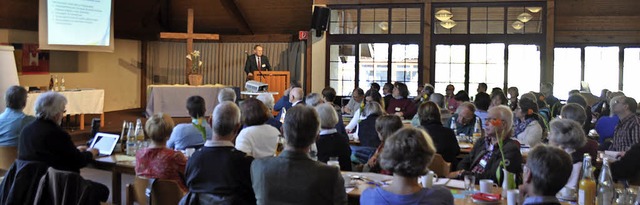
<point>524,68</point>
<point>567,71</point>
<point>373,63</point>
<point>342,68</point>
<point>486,65</point>
<point>488,19</point>
<point>631,84</point>
<point>450,67</point>
<point>404,64</point>
<point>343,21</point>
<point>405,21</point>
<point>374,21</point>
<point>601,68</point>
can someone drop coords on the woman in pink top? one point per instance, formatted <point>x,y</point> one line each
<point>158,161</point>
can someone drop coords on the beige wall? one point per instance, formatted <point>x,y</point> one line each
<point>118,73</point>
<point>318,60</point>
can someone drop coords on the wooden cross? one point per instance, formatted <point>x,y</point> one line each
<point>189,36</point>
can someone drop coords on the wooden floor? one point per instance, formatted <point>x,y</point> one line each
<point>113,124</point>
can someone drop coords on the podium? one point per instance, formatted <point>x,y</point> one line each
<point>278,81</point>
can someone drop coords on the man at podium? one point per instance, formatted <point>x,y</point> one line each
<point>255,62</point>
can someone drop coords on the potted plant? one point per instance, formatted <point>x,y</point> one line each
<point>195,77</point>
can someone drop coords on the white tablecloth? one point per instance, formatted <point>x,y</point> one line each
<point>172,99</point>
<point>86,101</point>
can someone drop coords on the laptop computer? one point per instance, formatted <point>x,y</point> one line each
<point>105,143</point>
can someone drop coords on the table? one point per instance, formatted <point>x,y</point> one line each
<point>172,99</point>
<point>253,94</point>
<point>117,164</point>
<point>79,102</point>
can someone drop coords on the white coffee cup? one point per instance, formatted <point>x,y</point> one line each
<point>567,192</point>
<point>486,186</point>
<point>513,197</point>
<point>427,180</point>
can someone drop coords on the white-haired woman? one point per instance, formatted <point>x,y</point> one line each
<point>45,141</point>
<point>330,143</point>
<point>568,135</point>
<point>268,100</point>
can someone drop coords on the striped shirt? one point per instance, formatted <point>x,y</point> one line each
<point>626,134</point>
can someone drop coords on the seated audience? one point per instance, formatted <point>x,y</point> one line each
<point>219,169</point>
<point>292,177</point>
<point>628,167</point>
<point>366,127</point>
<point>329,95</point>
<point>554,105</point>
<point>227,94</point>
<point>464,118</point>
<point>13,120</point>
<point>267,100</point>
<point>283,102</point>
<point>568,136</point>
<point>543,109</point>
<point>545,173</point>
<point>444,139</point>
<point>482,102</point>
<point>581,100</point>
<point>482,88</point>
<point>627,132</point>
<point>158,161</point>
<point>186,135</point>
<point>400,104</point>
<point>330,143</point>
<point>462,96</point>
<point>527,130</point>
<point>387,91</point>
<point>485,157</point>
<point>601,108</point>
<point>424,94</point>
<point>513,97</point>
<point>258,139</point>
<point>606,125</point>
<point>385,126</point>
<point>43,140</point>
<point>498,98</point>
<point>449,101</point>
<point>296,96</point>
<point>357,98</point>
<point>358,115</point>
<point>375,86</point>
<point>313,99</point>
<point>407,154</point>
<point>575,112</point>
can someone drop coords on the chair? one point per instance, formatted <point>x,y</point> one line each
<point>162,192</point>
<point>136,191</point>
<point>439,166</point>
<point>8,155</point>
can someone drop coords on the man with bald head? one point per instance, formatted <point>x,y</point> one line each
<point>296,96</point>
<point>232,178</point>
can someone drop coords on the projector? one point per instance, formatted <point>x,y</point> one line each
<point>255,86</point>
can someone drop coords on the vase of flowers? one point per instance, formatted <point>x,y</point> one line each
<point>509,181</point>
<point>195,77</point>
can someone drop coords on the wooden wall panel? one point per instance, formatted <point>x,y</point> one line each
<point>597,22</point>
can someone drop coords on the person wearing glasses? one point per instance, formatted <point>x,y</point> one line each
<point>627,132</point>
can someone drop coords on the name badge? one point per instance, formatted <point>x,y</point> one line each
<point>483,163</point>
<point>398,109</point>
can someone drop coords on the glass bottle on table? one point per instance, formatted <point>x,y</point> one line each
<point>131,140</point>
<point>62,87</point>
<point>587,185</point>
<point>453,126</point>
<point>139,135</point>
<point>606,190</point>
<point>477,131</point>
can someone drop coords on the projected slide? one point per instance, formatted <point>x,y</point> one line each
<point>79,22</point>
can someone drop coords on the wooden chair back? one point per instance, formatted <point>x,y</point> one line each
<point>439,166</point>
<point>166,192</point>
<point>8,155</point>
<point>136,191</point>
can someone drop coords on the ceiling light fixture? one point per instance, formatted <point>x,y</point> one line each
<point>517,25</point>
<point>448,24</point>
<point>443,15</point>
<point>534,9</point>
<point>525,17</point>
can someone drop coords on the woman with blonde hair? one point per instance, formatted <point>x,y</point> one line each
<point>158,161</point>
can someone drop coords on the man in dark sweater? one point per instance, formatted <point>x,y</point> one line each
<point>45,141</point>
<point>218,170</point>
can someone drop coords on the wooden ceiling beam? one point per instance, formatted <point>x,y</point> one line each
<point>232,7</point>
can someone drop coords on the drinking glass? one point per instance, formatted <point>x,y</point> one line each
<point>333,161</point>
<point>469,182</point>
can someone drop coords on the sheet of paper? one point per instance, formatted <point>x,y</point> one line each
<point>348,190</point>
<point>124,158</point>
<point>464,146</point>
<point>440,181</point>
<point>456,184</point>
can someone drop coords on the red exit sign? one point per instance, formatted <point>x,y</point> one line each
<point>303,35</point>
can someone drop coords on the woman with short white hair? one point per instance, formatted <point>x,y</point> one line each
<point>268,100</point>
<point>330,143</point>
<point>568,135</point>
<point>45,141</point>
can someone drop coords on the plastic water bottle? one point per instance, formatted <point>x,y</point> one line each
<point>453,126</point>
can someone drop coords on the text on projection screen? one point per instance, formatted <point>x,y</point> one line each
<point>79,22</point>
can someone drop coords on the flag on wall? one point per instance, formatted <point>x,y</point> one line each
<point>30,59</point>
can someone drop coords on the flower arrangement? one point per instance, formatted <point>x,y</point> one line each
<point>197,123</point>
<point>196,63</point>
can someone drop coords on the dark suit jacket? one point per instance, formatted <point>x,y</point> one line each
<point>45,141</point>
<point>252,65</point>
<point>511,151</point>
<point>21,182</point>
<point>444,140</point>
<point>294,178</point>
<point>335,145</point>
